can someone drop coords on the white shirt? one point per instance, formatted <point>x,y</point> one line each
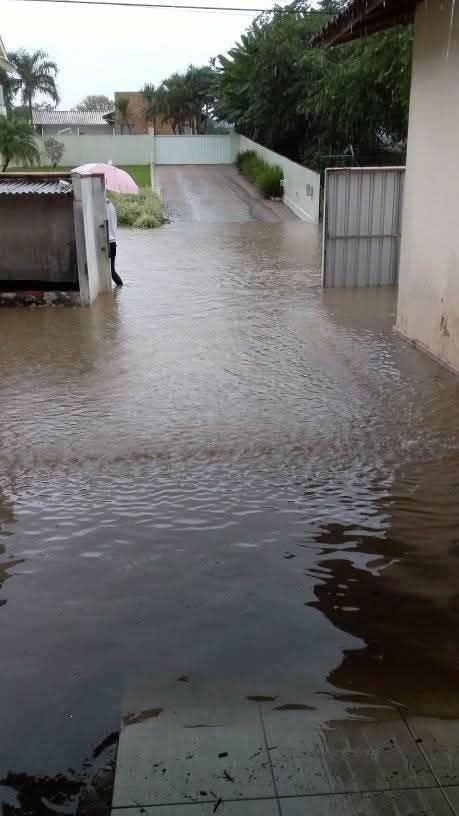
<point>112,222</point>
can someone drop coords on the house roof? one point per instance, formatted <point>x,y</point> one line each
<point>4,63</point>
<point>70,118</point>
<point>363,17</point>
<point>36,184</point>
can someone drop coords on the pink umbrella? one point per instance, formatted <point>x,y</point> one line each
<point>116,180</point>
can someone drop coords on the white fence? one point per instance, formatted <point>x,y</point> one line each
<point>101,148</point>
<point>301,185</point>
<point>362,226</point>
<point>195,149</point>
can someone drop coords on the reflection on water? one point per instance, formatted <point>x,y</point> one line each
<point>226,475</point>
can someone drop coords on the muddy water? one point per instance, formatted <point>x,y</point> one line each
<point>225,474</point>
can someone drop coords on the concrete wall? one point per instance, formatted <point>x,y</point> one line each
<point>91,236</point>
<point>301,185</point>
<point>428,303</point>
<point>37,241</point>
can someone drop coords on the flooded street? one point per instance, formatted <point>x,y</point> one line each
<point>221,473</point>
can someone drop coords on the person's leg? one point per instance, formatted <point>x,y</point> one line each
<point>115,277</point>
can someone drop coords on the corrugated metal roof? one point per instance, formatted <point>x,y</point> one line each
<point>27,186</point>
<point>69,118</point>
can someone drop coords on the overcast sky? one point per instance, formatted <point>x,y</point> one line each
<point>102,50</point>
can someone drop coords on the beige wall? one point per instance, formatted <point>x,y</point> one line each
<point>428,302</point>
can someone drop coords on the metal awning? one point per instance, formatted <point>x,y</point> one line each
<point>25,184</point>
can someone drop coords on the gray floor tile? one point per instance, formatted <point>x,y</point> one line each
<point>256,807</point>
<point>313,757</point>
<point>193,755</point>
<point>387,803</point>
<point>452,794</point>
<point>439,740</point>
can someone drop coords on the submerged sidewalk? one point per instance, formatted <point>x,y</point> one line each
<point>264,756</point>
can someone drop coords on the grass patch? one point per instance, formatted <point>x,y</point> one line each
<point>143,210</point>
<point>266,177</point>
<point>139,172</point>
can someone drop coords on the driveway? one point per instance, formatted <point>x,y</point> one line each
<point>214,193</point>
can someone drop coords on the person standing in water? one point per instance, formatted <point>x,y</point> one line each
<point>112,228</point>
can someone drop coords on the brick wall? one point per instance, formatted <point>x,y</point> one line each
<point>136,118</point>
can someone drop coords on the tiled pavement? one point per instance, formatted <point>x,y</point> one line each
<point>214,193</point>
<point>253,759</point>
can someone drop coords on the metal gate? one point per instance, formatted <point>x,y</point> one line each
<point>361,226</point>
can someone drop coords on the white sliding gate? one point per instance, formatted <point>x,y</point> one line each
<point>194,149</point>
<point>362,226</point>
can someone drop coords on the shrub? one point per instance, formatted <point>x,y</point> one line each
<point>266,177</point>
<point>142,210</point>
<point>269,181</point>
<point>54,150</point>
<point>243,156</point>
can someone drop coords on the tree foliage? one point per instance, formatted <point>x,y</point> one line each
<point>37,74</point>
<point>17,142</point>
<point>54,150</point>
<point>183,100</point>
<point>97,102</point>
<point>123,114</point>
<point>308,102</point>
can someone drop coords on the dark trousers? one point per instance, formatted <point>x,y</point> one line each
<point>115,276</point>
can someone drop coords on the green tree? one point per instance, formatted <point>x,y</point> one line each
<point>123,113</point>
<point>200,81</point>
<point>17,142</point>
<point>176,102</point>
<point>54,150</point>
<point>37,74</point>
<point>307,102</point>
<point>98,102</point>
<point>10,86</point>
<point>151,103</point>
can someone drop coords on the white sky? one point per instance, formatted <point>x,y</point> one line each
<point>102,50</point>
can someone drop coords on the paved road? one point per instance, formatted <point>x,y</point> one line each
<point>214,193</point>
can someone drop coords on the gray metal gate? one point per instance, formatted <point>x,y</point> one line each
<point>361,226</point>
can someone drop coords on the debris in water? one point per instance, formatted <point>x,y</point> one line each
<point>223,754</point>
<point>294,707</point>
<point>227,776</point>
<point>261,698</point>
<point>183,678</point>
<point>148,713</point>
<point>289,555</point>
<point>217,804</point>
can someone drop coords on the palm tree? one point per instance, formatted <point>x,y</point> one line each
<point>17,142</point>
<point>177,101</point>
<point>200,81</point>
<point>37,74</point>
<point>122,113</point>
<point>151,104</point>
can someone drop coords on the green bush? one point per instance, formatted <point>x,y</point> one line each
<point>266,177</point>
<point>142,210</point>
<point>244,158</point>
<point>269,181</point>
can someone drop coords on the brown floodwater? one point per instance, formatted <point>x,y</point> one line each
<point>221,473</point>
